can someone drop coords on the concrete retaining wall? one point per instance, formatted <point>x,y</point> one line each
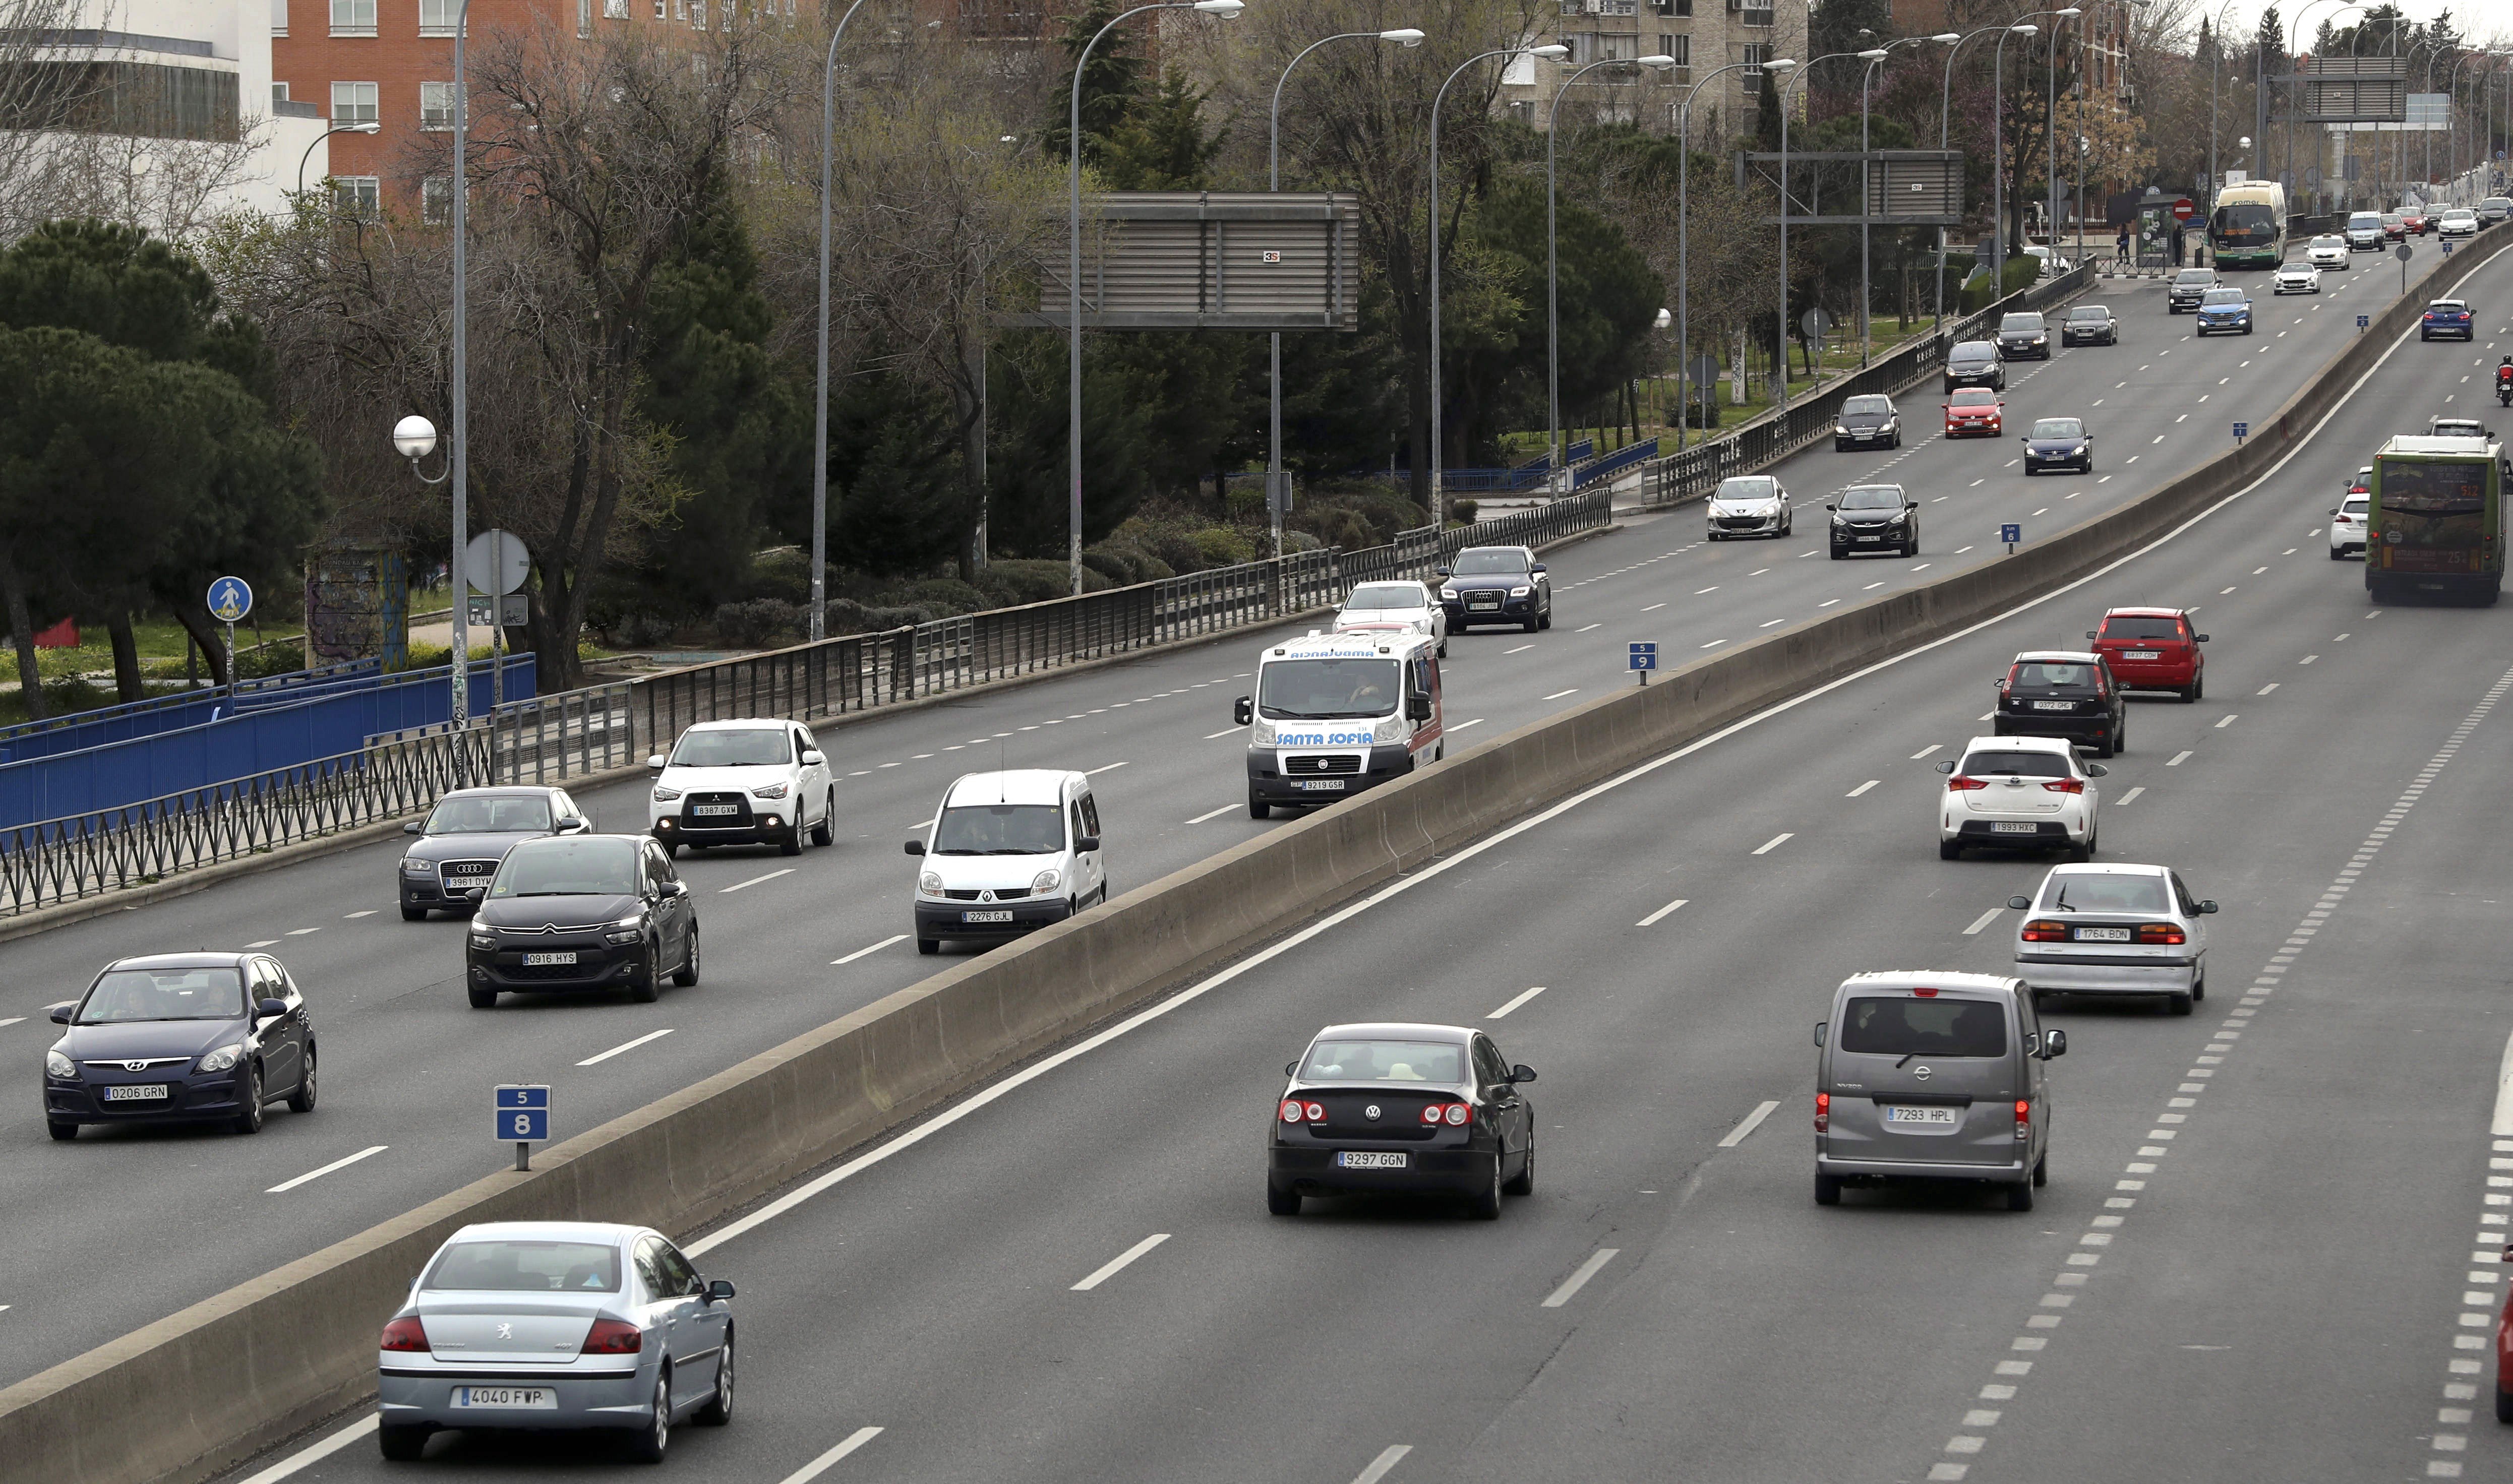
<point>208,1387</point>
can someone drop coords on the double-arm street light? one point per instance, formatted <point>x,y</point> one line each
<point>1551,52</point>
<point>1225,9</point>
<point>1875,58</point>
<point>1275,488</point>
<point>2050,137</point>
<point>2287,60</point>
<point>2216,64</point>
<point>820,404</point>
<point>1552,287</point>
<point>368,128</point>
<point>1682,218</point>
<point>1997,147</point>
<point>1945,122</point>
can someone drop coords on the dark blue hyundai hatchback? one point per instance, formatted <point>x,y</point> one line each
<point>180,1038</point>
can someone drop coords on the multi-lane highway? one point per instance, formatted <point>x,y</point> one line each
<point>1647,1036</point>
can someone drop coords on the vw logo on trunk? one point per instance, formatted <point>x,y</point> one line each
<point>1922,1073</point>
<point>1370,1112</point>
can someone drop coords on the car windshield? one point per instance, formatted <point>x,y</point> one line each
<point>2447,306</point>
<point>1747,488</point>
<point>490,814</point>
<point>2136,626</point>
<point>2104,892</point>
<point>2052,675</point>
<point>2459,213</point>
<point>1915,1026</point>
<point>739,747</point>
<point>1880,405</point>
<point>2433,491</point>
<point>2019,324</point>
<point>2089,314</point>
<point>1971,351</point>
<point>1490,562</point>
<point>1378,1061</point>
<point>2223,297</point>
<point>2390,219</point>
<point>522,1267</point>
<point>2014,764</point>
<point>568,867</point>
<point>216,993</point>
<point>1873,497</point>
<point>1326,689</point>
<point>1385,595</point>
<point>1000,829</point>
<point>2242,222</point>
<point>2188,276</point>
<point>1975,395</point>
<point>2327,242</point>
<point>2058,427</point>
<point>2364,219</point>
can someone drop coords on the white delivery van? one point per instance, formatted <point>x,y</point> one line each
<point>1334,713</point>
<point>1006,854</point>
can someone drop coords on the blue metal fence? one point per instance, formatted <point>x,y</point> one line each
<point>165,712</point>
<point>1613,463</point>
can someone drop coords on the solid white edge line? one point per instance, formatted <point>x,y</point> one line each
<point>1580,1279</point>
<point>1445,864</point>
<point>604,1056</point>
<point>865,952</point>
<point>314,1452</point>
<point>1983,921</point>
<point>1378,1466</point>
<point>2502,1127</point>
<point>755,880</point>
<point>337,1164</point>
<point>1116,1264</point>
<point>1753,1122</point>
<point>1515,1001</point>
<point>818,1466</point>
<point>1215,814</point>
<point>1652,920</point>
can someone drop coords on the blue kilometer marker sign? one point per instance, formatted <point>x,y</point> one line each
<point>2010,534</point>
<point>523,1115</point>
<point>1644,660</point>
<point>2242,430</point>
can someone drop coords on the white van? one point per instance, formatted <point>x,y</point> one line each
<point>1334,713</point>
<point>1006,854</point>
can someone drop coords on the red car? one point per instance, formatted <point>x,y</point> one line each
<point>2153,649</point>
<point>1974,409</point>
<point>2417,222</point>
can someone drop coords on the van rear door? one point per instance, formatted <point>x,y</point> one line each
<point>1924,1077</point>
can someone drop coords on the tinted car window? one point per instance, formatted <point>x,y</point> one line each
<point>678,1275</point>
<point>2015,323</point>
<point>2359,505</point>
<point>1752,486</point>
<point>1975,395</point>
<point>2052,675</point>
<point>2195,276</point>
<point>216,993</point>
<point>2018,765</point>
<point>2223,297</point>
<point>749,747</point>
<point>2105,893</point>
<point>1970,351</point>
<point>2089,314</point>
<point>1480,563</point>
<point>477,815</point>
<point>1000,829</point>
<point>1873,497</point>
<point>2058,427</point>
<point>2122,626</point>
<point>568,868</point>
<point>1878,405</point>
<point>1899,1027</point>
<point>521,1266</point>
<point>1386,1061</point>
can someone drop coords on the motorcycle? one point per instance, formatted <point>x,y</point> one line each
<point>2504,386</point>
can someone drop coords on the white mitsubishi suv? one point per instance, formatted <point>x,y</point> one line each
<point>742,782</point>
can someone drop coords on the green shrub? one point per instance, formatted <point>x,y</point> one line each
<point>1244,503</point>
<point>1008,584</point>
<point>1222,546</point>
<point>759,623</point>
<point>1465,511</point>
<point>784,572</point>
<point>939,597</point>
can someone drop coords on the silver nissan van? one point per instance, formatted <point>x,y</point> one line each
<point>1929,1075</point>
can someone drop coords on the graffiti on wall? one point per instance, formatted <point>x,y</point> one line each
<point>357,606</point>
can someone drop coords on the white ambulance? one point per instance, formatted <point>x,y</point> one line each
<point>1334,713</point>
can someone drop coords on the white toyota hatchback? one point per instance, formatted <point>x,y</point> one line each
<point>742,782</point>
<point>2019,792</point>
<point>1402,608</point>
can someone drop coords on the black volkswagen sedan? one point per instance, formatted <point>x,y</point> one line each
<point>1497,584</point>
<point>586,912</point>
<point>2063,693</point>
<point>2023,335</point>
<point>180,1038</point>
<point>1867,422</point>
<point>468,834</point>
<point>2089,324</point>
<point>1875,519</point>
<point>1976,363</point>
<point>2059,443</point>
<point>1402,1108</point>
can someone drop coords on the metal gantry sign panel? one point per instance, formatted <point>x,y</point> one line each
<point>2350,90</point>
<point>1905,187</point>
<point>1211,261</point>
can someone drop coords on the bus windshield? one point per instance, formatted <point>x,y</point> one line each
<point>2242,223</point>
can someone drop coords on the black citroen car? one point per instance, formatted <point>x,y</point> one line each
<point>468,834</point>
<point>180,1038</point>
<point>1497,584</point>
<point>586,912</point>
<point>1408,1109</point>
<point>2063,693</point>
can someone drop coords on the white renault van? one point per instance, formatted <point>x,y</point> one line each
<point>1334,713</point>
<point>1006,854</point>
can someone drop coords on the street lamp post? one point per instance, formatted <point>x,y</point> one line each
<point>1998,148</point>
<point>2051,136</point>
<point>1550,53</point>
<point>1073,267</point>
<point>1876,58</point>
<point>1275,488</point>
<point>2290,40</point>
<point>821,403</point>
<point>458,437</point>
<point>1552,287</point>
<point>325,135</point>
<point>1682,217</point>
<point>1945,122</point>
<point>2216,64</point>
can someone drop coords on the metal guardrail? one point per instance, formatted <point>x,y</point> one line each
<point>1694,473</point>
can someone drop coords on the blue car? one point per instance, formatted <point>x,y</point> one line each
<point>2448,317</point>
<point>2225,309</point>
<point>2059,443</point>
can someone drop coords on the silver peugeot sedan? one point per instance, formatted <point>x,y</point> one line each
<point>556,1325</point>
<point>2114,930</point>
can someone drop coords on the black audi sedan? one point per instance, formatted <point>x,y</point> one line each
<point>1869,423</point>
<point>1497,584</point>
<point>180,1038</point>
<point>1401,1108</point>
<point>468,834</point>
<point>585,912</point>
<point>1976,363</point>
<point>2059,443</point>
<point>2089,324</point>
<point>1875,519</point>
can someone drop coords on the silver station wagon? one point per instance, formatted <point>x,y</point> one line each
<point>556,1325</point>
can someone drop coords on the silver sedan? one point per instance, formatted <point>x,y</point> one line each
<point>556,1325</point>
<point>1403,607</point>
<point>2114,930</point>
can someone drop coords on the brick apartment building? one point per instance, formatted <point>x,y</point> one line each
<point>1702,35</point>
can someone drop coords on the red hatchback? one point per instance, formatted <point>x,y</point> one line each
<point>2153,649</point>
<point>1974,409</point>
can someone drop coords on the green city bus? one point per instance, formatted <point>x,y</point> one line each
<point>2248,229</point>
<point>2435,527</point>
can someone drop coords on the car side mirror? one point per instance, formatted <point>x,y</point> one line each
<point>1417,707</point>
<point>1086,842</point>
<point>2204,908</point>
<point>1833,507</point>
<point>2098,771</point>
<point>1819,1033</point>
<point>669,890</point>
<point>571,824</point>
<point>1243,710</point>
<point>269,1009</point>
<point>2054,1042</point>
<point>1946,767</point>
<point>655,761</point>
<point>60,1013</point>
<point>2202,638</point>
<point>1291,1068</point>
<point>719,1289</point>
<point>1439,571</point>
<point>1537,571</point>
<point>2019,904</point>
<point>916,848</point>
<point>1910,505</point>
<point>1522,1073</point>
<point>812,760</point>
<point>412,827</point>
<point>2090,634</point>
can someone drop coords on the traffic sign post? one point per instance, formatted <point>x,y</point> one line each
<point>2362,321</point>
<point>496,562</point>
<point>2403,254</point>
<point>1644,660</point>
<point>1703,374</point>
<point>230,599</point>
<point>2010,532</point>
<point>2183,209</point>
<point>2242,430</point>
<point>523,1118</point>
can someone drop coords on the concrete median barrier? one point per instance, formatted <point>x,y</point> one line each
<point>206,1388</point>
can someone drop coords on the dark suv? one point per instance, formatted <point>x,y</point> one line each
<point>2063,693</point>
<point>1976,363</point>
<point>2189,287</point>
<point>1497,584</point>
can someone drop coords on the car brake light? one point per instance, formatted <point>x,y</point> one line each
<point>2046,931</point>
<point>2160,932</point>
<point>2023,1118</point>
<point>613,1337</point>
<point>1823,1113</point>
<point>2066,784</point>
<point>1925,994</point>
<point>1960,784</point>
<point>1291,1110</point>
<point>404,1334</point>
<point>1457,1115</point>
